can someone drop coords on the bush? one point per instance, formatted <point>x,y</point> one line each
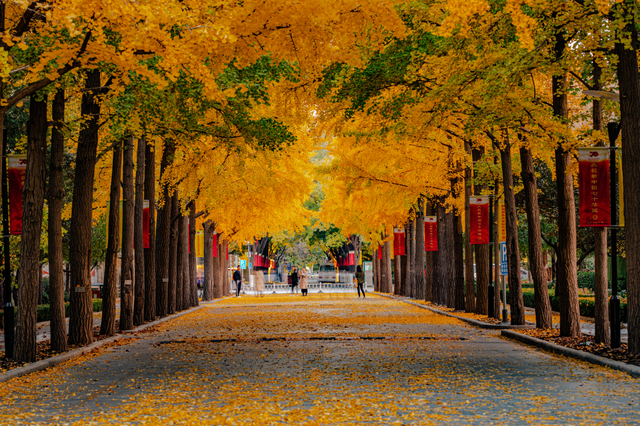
<point>587,306</point>
<point>587,279</point>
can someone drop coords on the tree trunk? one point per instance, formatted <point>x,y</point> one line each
<point>207,293</point>
<point>109,290</point>
<point>225,281</point>
<point>186,281</point>
<point>163,243</point>
<point>536,261</point>
<point>469,280</point>
<point>150,253</point>
<point>419,273</point>
<point>138,236</point>
<point>567,283</point>
<point>629,79</point>
<point>482,254</point>
<point>33,202</point>
<point>57,324</point>
<point>441,279</point>
<point>397,275</point>
<point>192,255</point>
<point>180,264</point>
<point>406,268</point>
<point>459,262</point>
<point>127,263</point>
<point>601,290</point>
<point>412,261</point>
<point>451,257</point>
<point>513,250</point>
<point>496,256</point>
<point>173,254</point>
<point>389,270</point>
<point>81,316</point>
<point>219,265</point>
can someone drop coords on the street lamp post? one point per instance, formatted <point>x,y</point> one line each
<point>614,303</point>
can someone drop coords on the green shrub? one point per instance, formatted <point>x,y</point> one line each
<point>587,306</point>
<point>587,279</point>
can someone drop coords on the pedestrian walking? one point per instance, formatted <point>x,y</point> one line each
<point>304,281</point>
<point>259,283</point>
<point>360,280</point>
<point>237,278</point>
<point>294,279</point>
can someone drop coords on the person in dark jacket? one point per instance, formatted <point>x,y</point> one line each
<point>294,279</point>
<point>237,277</point>
<point>360,280</point>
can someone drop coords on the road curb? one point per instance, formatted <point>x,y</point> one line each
<point>632,370</point>
<point>473,322</point>
<point>54,360</point>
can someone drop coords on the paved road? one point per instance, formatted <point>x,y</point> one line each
<point>324,359</point>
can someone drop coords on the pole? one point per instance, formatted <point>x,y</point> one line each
<point>9,331</point>
<point>614,303</point>
<point>505,313</point>
<point>491,291</point>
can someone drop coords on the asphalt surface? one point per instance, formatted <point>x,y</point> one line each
<point>324,359</point>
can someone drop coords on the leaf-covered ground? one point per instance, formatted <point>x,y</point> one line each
<point>324,359</point>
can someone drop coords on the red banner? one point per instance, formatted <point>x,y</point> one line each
<point>398,242</point>
<point>379,252</point>
<point>593,177</point>
<point>479,215</point>
<point>145,225</point>
<point>215,244</point>
<point>17,169</point>
<point>431,233</point>
<point>352,258</point>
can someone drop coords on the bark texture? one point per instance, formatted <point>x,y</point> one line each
<point>33,201</point>
<point>57,324</point>
<point>458,250</point>
<point>163,240</point>
<point>138,236</point>
<point>567,282</point>
<point>536,260</point>
<point>412,261</point>
<point>180,264</point>
<point>513,249</point>
<point>193,278</point>
<point>469,280</point>
<point>173,253</point>
<point>207,293</point>
<point>601,287</point>
<point>81,315</point>
<point>127,263</point>
<point>629,79</point>
<point>150,253</point>
<point>419,275</point>
<point>109,290</point>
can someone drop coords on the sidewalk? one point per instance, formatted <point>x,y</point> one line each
<point>43,330</point>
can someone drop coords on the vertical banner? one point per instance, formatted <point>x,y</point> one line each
<point>16,169</point>
<point>479,215</point>
<point>502,222</point>
<point>620,188</point>
<point>215,244</point>
<point>431,233</point>
<point>379,251</point>
<point>145,223</point>
<point>199,243</point>
<point>398,242</point>
<point>352,258</point>
<point>593,178</point>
